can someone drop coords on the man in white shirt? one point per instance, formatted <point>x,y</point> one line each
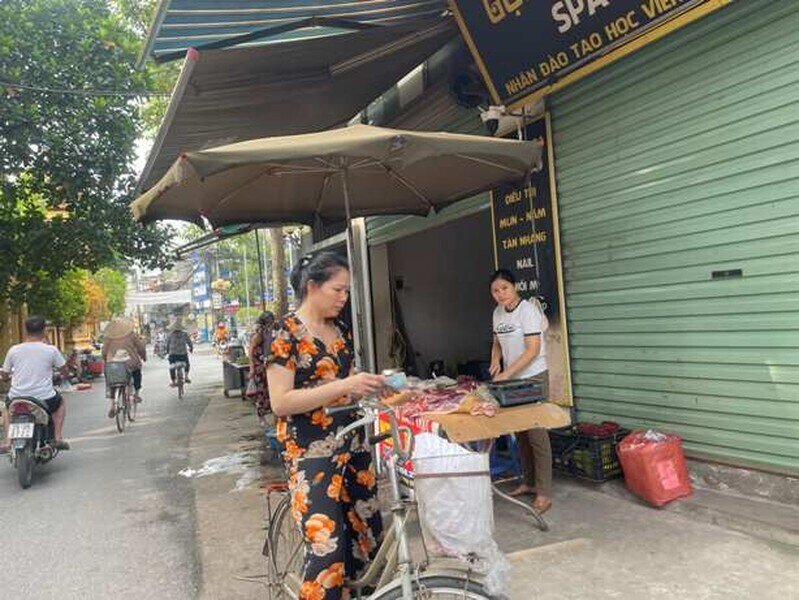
<point>30,366</point>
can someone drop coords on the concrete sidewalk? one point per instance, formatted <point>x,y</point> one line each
<point>602,542</point>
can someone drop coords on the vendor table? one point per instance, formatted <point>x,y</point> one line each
<point>235,377</point>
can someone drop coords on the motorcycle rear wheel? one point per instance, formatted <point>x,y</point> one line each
<point>25,466</point>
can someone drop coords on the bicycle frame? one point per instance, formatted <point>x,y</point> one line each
<point>392,566</point>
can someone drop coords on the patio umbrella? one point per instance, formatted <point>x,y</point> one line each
<point>332,175</point>
<point>357,171</point>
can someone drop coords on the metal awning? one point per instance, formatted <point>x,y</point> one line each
<point>183,24</point>
<point>225,96</point>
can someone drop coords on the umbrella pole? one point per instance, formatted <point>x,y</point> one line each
<point>357,305</point>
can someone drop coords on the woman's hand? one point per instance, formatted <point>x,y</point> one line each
<point>363,384</point>
<point>495,369</point>
<point>501,377</point>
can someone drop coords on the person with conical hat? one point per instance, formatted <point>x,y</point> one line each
<point>121,339</point>
<point>178,346</point>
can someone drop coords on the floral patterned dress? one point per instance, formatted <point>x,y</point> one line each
<point>332,482</point>
<point>259,360</point>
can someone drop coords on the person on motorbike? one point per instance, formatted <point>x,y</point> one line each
<point>30,366</point>
<point>178,346</point>
<point>121,335</point>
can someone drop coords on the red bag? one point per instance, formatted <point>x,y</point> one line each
<point>654,466</point>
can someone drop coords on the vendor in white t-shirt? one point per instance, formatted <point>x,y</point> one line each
<point>518,352</point>
<point>30,366</point>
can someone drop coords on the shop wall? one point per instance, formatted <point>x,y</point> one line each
<point>444,298</point>
<point>678,181</point>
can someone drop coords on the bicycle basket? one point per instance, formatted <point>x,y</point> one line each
<point>116,373</point>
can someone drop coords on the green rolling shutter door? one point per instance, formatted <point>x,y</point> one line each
<point>677,162</point>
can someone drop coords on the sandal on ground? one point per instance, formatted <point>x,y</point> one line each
<point>542,505</point>
<point>112,412</point>
<point>61,445</point>
<point>522,490</point>
<point>187,380</point>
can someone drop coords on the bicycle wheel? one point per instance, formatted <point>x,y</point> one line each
<point>286,550</point>
<point>120,406</point>
<point>180,384</point>
<point>439,587</point>
<point>132,407</point>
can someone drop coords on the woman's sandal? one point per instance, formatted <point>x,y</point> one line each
<point>522,490</point>
<point>542,505</point>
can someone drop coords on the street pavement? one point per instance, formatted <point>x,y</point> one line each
<point>111,518</point>
<point>115,517</point>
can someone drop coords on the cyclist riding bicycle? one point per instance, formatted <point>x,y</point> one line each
<point>30,367</point>
<point>178,346</point>
<point>121,336</point>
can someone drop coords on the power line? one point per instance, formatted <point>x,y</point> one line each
<point>86,93</point>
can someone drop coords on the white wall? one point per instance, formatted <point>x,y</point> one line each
<point>445,298</point>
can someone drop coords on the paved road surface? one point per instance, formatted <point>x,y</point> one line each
<point>111,518</point>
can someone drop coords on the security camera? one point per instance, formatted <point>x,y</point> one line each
<point>491,118</point>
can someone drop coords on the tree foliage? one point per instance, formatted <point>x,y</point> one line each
<point>115,288</point>
<point>71,151</point>
<point>62,301</point>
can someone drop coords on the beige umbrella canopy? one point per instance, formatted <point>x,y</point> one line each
<point>332,175</point>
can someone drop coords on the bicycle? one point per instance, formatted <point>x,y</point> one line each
<point>180,377</point>
<point>120,385</point>
<point>392,574</point>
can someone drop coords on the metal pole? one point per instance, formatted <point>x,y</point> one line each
<point>246,281</point>
<point>261,271</point>
<point>357,303</point>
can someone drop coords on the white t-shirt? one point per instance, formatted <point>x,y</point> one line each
<point>511,329</point>
<point>31,365</point>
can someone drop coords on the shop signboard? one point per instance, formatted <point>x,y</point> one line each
<point>525,48</point>
<point>526,241</point>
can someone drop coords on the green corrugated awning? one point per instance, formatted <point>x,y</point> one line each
<point>183,24</point>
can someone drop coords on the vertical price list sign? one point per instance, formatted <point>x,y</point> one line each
<point>524,223</point>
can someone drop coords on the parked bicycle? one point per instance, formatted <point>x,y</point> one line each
<point>120,387</point>
<point>392,574</point>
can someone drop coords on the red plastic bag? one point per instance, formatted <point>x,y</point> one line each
<point>654,466</point>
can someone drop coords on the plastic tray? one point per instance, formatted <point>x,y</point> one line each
<point>515,392</point>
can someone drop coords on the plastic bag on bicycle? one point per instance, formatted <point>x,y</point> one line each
<point>456,510</point>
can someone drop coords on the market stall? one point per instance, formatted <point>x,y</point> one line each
<point>235,370</point>
<point>466,415</point>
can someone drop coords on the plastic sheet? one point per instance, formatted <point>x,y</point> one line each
<point>453,489</point>
<point>654,466</point>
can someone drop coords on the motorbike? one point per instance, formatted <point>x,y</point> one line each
<point>32,434</point>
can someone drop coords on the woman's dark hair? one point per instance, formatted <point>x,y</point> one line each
<point>35,325</point>
<point>266,318</point>
<point>504,274</point>
<point>318,267</point>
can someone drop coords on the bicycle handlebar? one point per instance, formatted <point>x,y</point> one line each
<point>372,408</point>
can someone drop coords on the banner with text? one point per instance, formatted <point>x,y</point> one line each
<point>525,229</point>
<point>522,46</point>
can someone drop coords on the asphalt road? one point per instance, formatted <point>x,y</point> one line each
<point>111,518</point>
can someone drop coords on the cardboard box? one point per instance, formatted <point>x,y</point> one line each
<point>468,428</point>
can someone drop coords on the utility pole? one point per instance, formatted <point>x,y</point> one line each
<point>261,270</point>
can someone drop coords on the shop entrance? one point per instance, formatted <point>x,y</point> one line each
<point>432,306</point>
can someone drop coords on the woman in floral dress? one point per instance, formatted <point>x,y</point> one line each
<point>259,342</point>
<point>332,482</point>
